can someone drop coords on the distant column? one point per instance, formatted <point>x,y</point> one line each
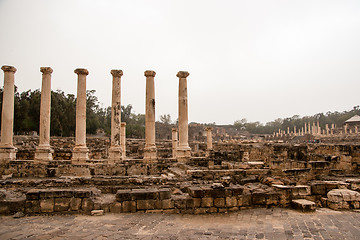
<point>309,128</point>
<point>43,153</point>
<point>302,131</point>
<point>115,153</point>
<point>183,151</point>
<point>295,130</point>
<point>209,138</point>
<point>150,147</point>
<point>318,128</point>
<point>7,149</point>
<point>327,129</point>
<point>305,128</point>
<point>123,140</point>
<point>80,151</point>
<point>356,129</point>
<point>174,135</point>
<point>345,128</point>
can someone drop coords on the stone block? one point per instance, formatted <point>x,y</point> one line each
<point>355,204</point>
<point>193,202</point>
<point>303,205</point>
<point>167,204</point>
<point>200,210</point>
<point>222,210</point>
<point>75,204</point>
<point>244,200</point>
<point>207,191</point>
<point>144,194</point>
<point>212,210</point>
<point>180,202</point>
<point>272,198</point>
<point>171,211</point>
<point>123,195</point>
<point>339,195</point>
<point>155,211</point>
<point>82,193</point>
<point>115,207</point>
<point>97,212</point>
<point>231,201</point>
<point>300,191</point>
<point>233,209</point>
<point>258,198</point>
<point>47,205</point>
<point>207,202</point>
<point>218,193</point>
<point>237,190</point>
<point>219,202</point>
<point>164,193</point>
<point>61,204</point>
<point>128,206</point>
<point>318,188</point>
<point>87,205</point>
<point>33,194</point>
<point>196,192</point>
<point>32,206</point>
<point>145,204</point>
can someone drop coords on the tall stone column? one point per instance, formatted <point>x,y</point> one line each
<point>309,128</point>
<point>115,153</point>
<point>123,140</point>
<point>209,138</point>
<point>305,129</point>
<point>318,128</point>
<point>43,153</point>
<point>356,129</point>
<point>183,151</point>
<point>174,136</point>
<point>80,151</point>
<point>150,147</point>
<point>295,130</point>
<point>7,149</point>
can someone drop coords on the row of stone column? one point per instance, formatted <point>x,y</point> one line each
<point>80,154</point>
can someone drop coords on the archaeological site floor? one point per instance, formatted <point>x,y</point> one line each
<point>261,223</point>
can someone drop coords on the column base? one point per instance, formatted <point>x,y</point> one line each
<point>43,154</point>
<point>115,154</point>
<point>80,155</point>
<point>183,154</point>
<point>7,154</point>
<point>150,154</point>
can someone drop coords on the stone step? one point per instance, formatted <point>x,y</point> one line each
<point>303,205</point>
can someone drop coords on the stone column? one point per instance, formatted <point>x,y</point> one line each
<point>183,151</point>
<point>115,153</point>
<point>295,130</point>
<point>305,128</point>
<point>174,135</point>
<point>309,128</point>
<point>7,149</point>
<point>43,153</point>
<point>209,138</point>
<point>327,129</point>
<point>150,147</point>
<point>80,151</point>
<point>123,140</point>
<point>345,128</point>
<point>356,129</point>
<point>318,128</point>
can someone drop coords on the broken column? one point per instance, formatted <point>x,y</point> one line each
<point>7,149</point>
<point>150,147</point>
<point>209,138</point>
<point>174,135</point>
<point>123,140</point>
<point>80,151</point>
<point>43,153</point>
<point>115,153</point>
<point>183,151</point>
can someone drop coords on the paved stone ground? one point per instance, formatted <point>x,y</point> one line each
<point>247,224</point>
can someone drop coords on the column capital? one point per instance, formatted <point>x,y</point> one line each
<point>174,129</point>
<point>149,73</point>
<point>46,70</point>
<point>81,71</point>
<point>116,73</point>
<point>182,74</point>
<point>208,128</point>
<point>6,68</point>
<point>123,124</point>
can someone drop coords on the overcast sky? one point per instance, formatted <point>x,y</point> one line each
<point>258,60</point>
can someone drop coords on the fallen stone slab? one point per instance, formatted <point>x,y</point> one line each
<point>303,205</point>
<point>97,212</point>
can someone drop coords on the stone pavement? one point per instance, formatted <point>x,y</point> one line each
<point>246,224</point>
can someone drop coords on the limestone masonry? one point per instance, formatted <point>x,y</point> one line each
<point>190,169</point>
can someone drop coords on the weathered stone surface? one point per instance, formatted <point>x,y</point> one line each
<point>75,204</point>
<point>128,206</point>
<point>123,195</point>
<point>47,205</point>
<point>303,205</point>
<point>220,202</point>
<point>97,212</point>
<point>339,195</point>
<point>61,204</point>
<point>87,205</point>
<point>207,202</point>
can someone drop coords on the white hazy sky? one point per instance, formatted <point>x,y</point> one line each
<point>258,60</point>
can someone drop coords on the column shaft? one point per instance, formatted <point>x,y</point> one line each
<point>184,150</point>
<point>123,140</point>
<point>43,152</point>
<point>115,153</point>
<point>174,136</point>
<point>80,151</point>
<point>150,148</point>
<point>7,150</point>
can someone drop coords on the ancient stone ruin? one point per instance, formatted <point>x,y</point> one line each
<point>97,175</point>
